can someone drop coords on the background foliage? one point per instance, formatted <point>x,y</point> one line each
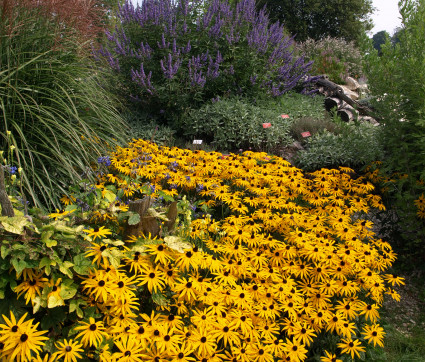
<point>396,80</point>
<point>317,19</point>
<point>335,57</point>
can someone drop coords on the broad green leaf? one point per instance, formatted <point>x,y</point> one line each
<point>82,264</point>
<point>45,261</point>
<point>5,251</point>
<point>65,268</point>
<point>46,235</point>
<point>74,306</point>
<point>156,214</point>
<point>19,265</point>
<point>133,219</point>
<point>37,303</point>
<point>68,291</point>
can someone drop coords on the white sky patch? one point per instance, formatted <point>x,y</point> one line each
<point>386,16</point>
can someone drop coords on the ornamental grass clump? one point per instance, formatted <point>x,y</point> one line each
<point>176,55</point>
<point>262,262</point>
<point>55,116</point>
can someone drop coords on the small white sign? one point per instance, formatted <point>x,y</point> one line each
<point>197,142</point>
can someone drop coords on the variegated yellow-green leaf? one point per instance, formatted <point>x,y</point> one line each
<point>54,301</point>
<point>64,268</point>
<point>68,290</point>
<point>114,257</point>
<point>109,195</point>
<point>38,302</point>
<point>176,243</point>
<point>14,225</point>
<point>159,299</point>
<point>51,242</point>
<point>156,214</point>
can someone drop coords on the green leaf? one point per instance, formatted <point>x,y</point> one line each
<point>51,242</point>
<point>82,264</point>
<point>65,268</point>
<point>110,196</point>
<point>74,306</point>
<point>45,261</point>
<point>134,219</point>
<point>14,225</point>
<point>68,290</point>
<point>159,299</point>
<point>5,251</point>
<point>114,257</point>
<point>19,265</point>
<point>55,301</point>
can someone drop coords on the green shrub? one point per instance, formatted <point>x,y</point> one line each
<point>143,126</point>
<point>295,105</point>
<point>233,123</point>
<point>396,79</point>
<point>356,146</point>
<point>335,57</point>
<point>312,125</point>
<point>175,55</point>
<point>54,113</point>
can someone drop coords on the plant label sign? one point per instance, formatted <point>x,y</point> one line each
<point>197,142</point>
<point>267,125</point>
<point>306,134</point>
<point>285,116</point>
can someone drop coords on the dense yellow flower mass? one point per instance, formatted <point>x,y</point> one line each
<point>278,259</point>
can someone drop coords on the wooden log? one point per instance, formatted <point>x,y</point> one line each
<point>140,207</point>
<point>347,114</point>
<point>171,216</point>
<point>6,205</point>
<point>333,102</point>
<point>338,92</point>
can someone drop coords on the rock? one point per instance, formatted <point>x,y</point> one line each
<point>297,146</point>
<point>352,84</point>
<point>353,95</point>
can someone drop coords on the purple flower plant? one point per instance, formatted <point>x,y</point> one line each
<point>202,52</point>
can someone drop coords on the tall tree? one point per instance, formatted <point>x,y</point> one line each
<point>379,39</point>
<point>316,19</point>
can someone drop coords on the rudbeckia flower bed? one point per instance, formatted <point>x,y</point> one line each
<point>260,262</point>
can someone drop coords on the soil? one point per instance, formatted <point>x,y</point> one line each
<point>409,313</point>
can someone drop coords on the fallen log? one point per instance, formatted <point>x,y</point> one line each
<point>338,92</point>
